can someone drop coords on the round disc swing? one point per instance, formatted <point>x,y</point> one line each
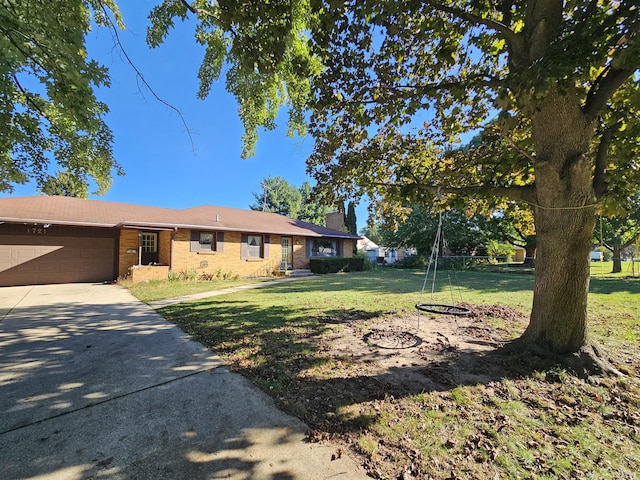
<point>438,308</point>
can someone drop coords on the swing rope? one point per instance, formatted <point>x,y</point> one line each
<point>433,260</point>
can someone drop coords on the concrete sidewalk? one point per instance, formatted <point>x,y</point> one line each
<point>95,385</point>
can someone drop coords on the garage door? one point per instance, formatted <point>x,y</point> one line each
<point>29,260</point>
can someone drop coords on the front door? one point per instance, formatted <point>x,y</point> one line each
<point>287,253</point>
<point>148,248</point>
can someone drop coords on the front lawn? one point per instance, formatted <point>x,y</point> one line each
<point>161,289</point>
<point>346,354</point>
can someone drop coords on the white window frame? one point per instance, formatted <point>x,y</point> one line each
<point>255,244</point>
<point>210,245</point>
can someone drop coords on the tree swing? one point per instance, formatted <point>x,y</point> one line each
<point>438,308</point>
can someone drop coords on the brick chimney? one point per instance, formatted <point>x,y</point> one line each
<point>335,221</point>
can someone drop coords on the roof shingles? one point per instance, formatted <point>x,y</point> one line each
<point>77,211</point>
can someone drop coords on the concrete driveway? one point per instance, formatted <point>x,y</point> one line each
<point>94,384</point>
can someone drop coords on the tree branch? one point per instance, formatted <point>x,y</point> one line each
<point>600,185</point>
<point>198,12</point>
<point>505,32</point>
<point>189,7</point>
<point>602,91</point>
<point>524,193</point>
<point>27,55</point>
<point>423,89</point>
<point>611,78</point>
<point>31,102</point>
<point>116,37</point>
<point>511,142</point>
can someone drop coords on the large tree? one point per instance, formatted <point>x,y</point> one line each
<point>277,195</point>
<point>49,115</point>
<point>350,219</point>
<point>462,235</point>
<point>312,211</point>
<point>553,84</point>
<point>280,196</point>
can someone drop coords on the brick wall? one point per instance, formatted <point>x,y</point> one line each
<point>164,247</point>
<point>347,248</point>
<point>227,261</point>
<point>141,273</point>
<point>300,260</point>
<point>174,251</point>
<point>128,251</point>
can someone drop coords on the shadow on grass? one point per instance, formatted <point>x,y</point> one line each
<point>614,285</point>
<point>285,351</point>
<point>391,281</point>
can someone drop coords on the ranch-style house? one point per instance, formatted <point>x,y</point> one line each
<point>49,239</point>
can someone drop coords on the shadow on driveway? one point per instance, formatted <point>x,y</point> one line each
<point>95,384</point>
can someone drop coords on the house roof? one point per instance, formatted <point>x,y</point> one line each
<point>56,210</point>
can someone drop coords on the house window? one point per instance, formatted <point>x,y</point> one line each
<point>207,242</point>
<point>323,247</point>
<point>254,243</point>
<point>254,246</point>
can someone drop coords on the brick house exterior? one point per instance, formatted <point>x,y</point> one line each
<point>39,241</point>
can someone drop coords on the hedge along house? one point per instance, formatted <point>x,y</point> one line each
<point>66,240</point>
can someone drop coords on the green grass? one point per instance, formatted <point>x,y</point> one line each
<point>530,423</point>
<point>161,289</point>
<point>604,269</point>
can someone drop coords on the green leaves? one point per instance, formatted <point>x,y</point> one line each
<point>279,196</point>
<point>47,103</point>
<point>265,47</point>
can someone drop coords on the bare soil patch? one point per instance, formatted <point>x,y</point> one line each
<point>369,359</point>
<point>423,352</point>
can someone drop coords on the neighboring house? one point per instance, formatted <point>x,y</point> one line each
<point>370,248</point>
<point>65,240</point>
<point>379,254</point>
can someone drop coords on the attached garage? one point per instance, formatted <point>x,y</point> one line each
<point>56,255</point>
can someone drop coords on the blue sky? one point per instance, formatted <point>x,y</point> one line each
<point>163,168</point>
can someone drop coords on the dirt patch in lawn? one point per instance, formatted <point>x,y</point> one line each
<point>430,398</point>
<point>364,397</point>
<point>421,353</point>
<point>362,359</point>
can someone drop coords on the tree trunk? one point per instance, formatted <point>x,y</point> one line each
<point>559,314</point>
<point>617,259</point>
<point>564,220</point>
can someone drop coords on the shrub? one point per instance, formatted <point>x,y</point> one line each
<point>412,262</point>
<point>369,264</point>
<point>336,264</point>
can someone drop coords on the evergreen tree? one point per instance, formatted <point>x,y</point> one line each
<point>350,219</point>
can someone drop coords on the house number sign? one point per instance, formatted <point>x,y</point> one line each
<point>37,230</point>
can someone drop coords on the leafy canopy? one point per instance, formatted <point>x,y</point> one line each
<point>264,46</point>
<point>404,80</point>
<point>280,196</point>
<point>48,110</point>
